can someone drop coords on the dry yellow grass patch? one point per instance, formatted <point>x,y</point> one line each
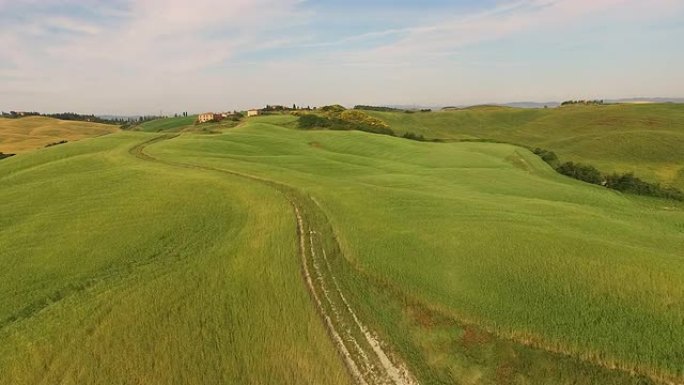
<point>30,133</point>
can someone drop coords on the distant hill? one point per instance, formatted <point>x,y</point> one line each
<point>532,104</point>
<point>33,132</point>
<point>646,100</point>
<point>646,139</point>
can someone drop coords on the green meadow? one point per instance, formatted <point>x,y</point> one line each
<point>118,270</point>
<point>646,139</point>
<point>167,124</point>
<point>155,258</point>
<point>183,124</point>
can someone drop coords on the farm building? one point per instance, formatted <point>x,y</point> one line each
<point>253,112</point>
<point>206,117</point>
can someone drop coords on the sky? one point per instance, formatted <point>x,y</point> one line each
<point>167,56</point>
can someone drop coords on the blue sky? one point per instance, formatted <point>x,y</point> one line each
<point>143,56</point>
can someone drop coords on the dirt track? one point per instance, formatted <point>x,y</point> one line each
<point>363,353</point>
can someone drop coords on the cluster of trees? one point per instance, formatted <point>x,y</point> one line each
<point>65,116</point>
<point>629,183</point>
<point>279,108</point>
<point>582,102</point>
<point>376,108</point>
<point>19,114</point>
<point>626,182</point>
<point>334,108</point>
<point>343,119</point>
<point>336,117</point>
<point>85,118</point>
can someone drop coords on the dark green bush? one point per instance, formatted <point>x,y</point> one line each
<point>627,182</point>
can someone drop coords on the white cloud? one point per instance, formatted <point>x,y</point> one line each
<point>142,55</point>
<point>454,32</point>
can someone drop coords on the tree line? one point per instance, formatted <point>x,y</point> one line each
<point>376,108</point>
<point>625,182</point>
<point>582,102</point>
<point>64,116</point>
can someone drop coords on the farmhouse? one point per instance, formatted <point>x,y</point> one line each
<point>253,112</point>
<point>206,117</point>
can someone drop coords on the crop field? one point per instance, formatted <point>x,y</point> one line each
<point>646,139</point>
<point>118,270</point>
<point>168,124</point>
<point>184,124</point>
<point>30,133</point>
<point>159,258</point>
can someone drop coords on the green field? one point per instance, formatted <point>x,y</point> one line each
<point>183,124</point>
<point>151,258</point>
<point>167,124</point>
<point>646,139</point>
<point>118,270</point>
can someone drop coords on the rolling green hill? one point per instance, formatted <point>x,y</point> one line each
<point>33,132</point>
<point>167,124</point>
<point>184,124</point>
<point>484,234</point>
<point>646,139</point>
<point>117,270</point>
<point>153,258</point>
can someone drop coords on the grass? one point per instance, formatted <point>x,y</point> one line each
<point>118,270</point>
<point>167,124</point>
<point>476,262</point>
<point>184,124</point>
<point>645,139</point>
<point>484,234</point>
<point>34,132</point>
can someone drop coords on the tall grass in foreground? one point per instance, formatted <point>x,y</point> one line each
<point>487,235</point>
<point>119,271</point>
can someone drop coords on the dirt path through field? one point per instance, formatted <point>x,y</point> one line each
<point>364,354</point>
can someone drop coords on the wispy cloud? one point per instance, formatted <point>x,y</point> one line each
<point>134,54</point>
<point>504,21</point>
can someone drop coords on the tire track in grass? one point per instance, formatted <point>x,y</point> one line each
<point>390,373</point>
<point>361,351</point>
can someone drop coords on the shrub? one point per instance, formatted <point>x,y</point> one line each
<point>627,182</point>
<point>358,117</point>
<point>412,136</point>
<point>335,108</point>
<point>56,143</point>
<point>352,122</point>
<point>581,171</point>
<point>630,184</point>
<point>549,157</point>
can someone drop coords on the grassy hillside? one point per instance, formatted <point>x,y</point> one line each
<point>645,139</point>
<point>148,258</point>
<point>483,236</point>
<point>184,124</point>
<point>168,124</point>
<point>118,270</point>
<point>30,133</point>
